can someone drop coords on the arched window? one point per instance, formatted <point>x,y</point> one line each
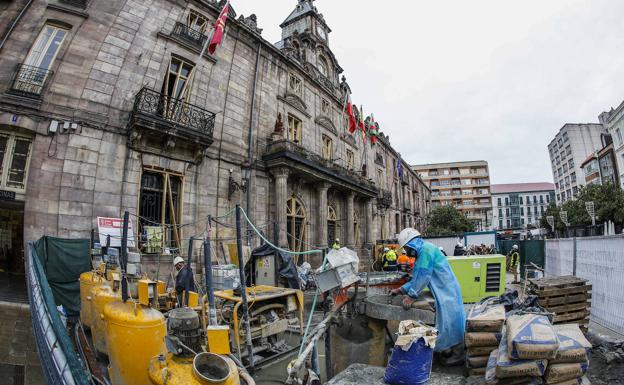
<point>323,67</point>
<point>296,223</point>
<point>332,224</point>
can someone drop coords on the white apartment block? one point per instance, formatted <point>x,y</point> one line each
<point>614,121</point>
<point>519,206</point>
<point>568,150</point>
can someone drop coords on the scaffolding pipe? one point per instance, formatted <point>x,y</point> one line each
<point>124,257</point>
<point>212,311</point>
<point>243,290</point>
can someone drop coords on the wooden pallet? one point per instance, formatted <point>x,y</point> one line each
<point>558,292</point>
<point>557,282</point>
<point>569,308</point>
<point>570,317</point>
<point>565,299</point>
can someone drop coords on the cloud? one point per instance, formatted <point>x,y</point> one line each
<point>457,80</point>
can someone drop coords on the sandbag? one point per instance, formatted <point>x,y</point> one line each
<point>531,336</point>
<point>480,350</point>
<point>485,317</point>
<point>575,381</point>
<point>573,346</point>
<point>491,379</point>
<point>506,367</point>
<point>476,361</point>
<point>557,373</point>
<point>476,371</point>
<point>478,339</point>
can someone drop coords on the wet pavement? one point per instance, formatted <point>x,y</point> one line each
<point>19,361</point>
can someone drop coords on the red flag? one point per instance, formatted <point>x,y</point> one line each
<point>361,125</point>
<point>351,115</point>
<point>219,28</point>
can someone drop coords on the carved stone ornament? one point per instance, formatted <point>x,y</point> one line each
<point>326,123</point>
<point>250,22</point>
<point>296,102</point>
<point>279,125</point>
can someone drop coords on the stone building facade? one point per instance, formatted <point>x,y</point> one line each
<point>107,106</point>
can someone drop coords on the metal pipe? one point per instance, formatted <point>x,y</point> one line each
<point>212,313</point>
<point>124,258</point>
<point>249,139</point>
<point>187,284</point>
<point>329,370</point>
<point>17,19</point>
<point>243,289</point>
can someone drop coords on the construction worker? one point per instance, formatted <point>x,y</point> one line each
<point>432,271</point>
<point>513,257</point>
<point>336,245</point>
<point>184,280</point>
<point>404,262</point>
<point>442,251</point>
<point>459,250</point>
<point>390,260</point>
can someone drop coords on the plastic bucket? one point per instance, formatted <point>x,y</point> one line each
<point>418,359</point>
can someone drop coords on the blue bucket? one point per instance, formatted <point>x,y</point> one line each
<point>412,367</point>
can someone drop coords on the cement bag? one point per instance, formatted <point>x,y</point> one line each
<point>575,381</point>
<point>531,336</point>
<point>506,367</point>
<point>557,373</point>
<point>476,361</point>
<point>491,379</point>
<point>485,317</point>
<point>413,349</point>
<point>480,351</point>
<point>479,339</point>
<point>573,346</point>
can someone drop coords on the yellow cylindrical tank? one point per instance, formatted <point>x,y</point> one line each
<point>88,280</point>
<point>102,295</point>
<point>203,369</point>
<point>134,335</point>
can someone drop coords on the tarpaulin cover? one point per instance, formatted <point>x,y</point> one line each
<point>63,261</point>
<point>432,270</point>
<point>287,269</point>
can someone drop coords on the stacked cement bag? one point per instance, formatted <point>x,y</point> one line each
<point>572,359</point>
<point>484,324</point>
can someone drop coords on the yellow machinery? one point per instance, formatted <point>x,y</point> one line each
<point>102,295</point>
<point>204,368</point>
<point>134,334</point>
<point>88,281</point>
<point>271,311</point>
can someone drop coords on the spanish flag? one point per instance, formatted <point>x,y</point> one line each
<point>219,28</point>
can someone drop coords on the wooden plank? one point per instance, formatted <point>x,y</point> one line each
<point>568,308</point>
<point>568,317</point>
<point>557,282</point>
<point>565,299</point>
<point>558,292</point>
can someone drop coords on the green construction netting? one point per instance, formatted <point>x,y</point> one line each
<point>530,252</point>
<point>63,261</point>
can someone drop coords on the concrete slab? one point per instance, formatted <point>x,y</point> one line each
<point>360,374</point>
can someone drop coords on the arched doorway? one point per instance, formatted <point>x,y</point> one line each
<point>295,224</point>
<point>332,224</point>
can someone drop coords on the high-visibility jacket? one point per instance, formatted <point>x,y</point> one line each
<point>390,258</point>
<point>336,246</point>
<point>403,259</point>
<point>513,259</point>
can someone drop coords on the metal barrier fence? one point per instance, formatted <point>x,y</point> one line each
<point>599,260</point>
<point>59,361</point>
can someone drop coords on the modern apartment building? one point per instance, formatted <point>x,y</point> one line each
<point>570,147</point>
<point>520,206</point>
<point>614,122</point>
<point>465,185</point>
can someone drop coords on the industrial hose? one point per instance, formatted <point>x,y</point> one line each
<point>247,378</point>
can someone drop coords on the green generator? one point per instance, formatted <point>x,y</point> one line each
<point>479,276</point>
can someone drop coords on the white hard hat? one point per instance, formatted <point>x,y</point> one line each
<point>515,247</point>
<point>386,249</point>
<point>337,240</point>
<point>178,260</point>
<point>407,235</point>
<point>441,248</point>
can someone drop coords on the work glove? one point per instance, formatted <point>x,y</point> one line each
<point>396,292</point>
<point>407,302</point>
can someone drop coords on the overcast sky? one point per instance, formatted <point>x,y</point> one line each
<point>453,80</point>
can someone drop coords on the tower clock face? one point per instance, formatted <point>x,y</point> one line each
<point>321,32</point>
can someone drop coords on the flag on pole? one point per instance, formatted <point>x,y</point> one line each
<point>361,125</point>
<point>373,128</point>
<point>400,168</point>
<point>219,28</point>
<point>350,114</point>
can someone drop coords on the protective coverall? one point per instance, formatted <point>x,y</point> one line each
<point>433,271</point>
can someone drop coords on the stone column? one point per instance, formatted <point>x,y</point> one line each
<point>350,223</point>
<point>369,222</point>
<point>322,214</point>
<point>281,197</point>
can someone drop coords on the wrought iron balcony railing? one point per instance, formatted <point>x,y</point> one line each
<point>189,35</point>
<point>173,113</point>
<point>29,81</point>
<point>75,3</point>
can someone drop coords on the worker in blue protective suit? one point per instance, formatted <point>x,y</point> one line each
<point>433,271</point>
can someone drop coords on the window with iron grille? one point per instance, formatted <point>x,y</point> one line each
<point>15,153</point>
<point>159,203</point>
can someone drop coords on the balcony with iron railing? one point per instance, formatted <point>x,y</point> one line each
<point>163,116</point>
<point>189,35</point>
<point>29,81</point>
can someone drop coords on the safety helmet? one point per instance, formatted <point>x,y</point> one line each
<point>407,235</point>
<point>386,249</point>
<point>515,247</point>
<point>337,240</point>
<point>441,248</point>
<point>178,260</point>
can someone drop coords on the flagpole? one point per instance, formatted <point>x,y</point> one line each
<point>214,28</point>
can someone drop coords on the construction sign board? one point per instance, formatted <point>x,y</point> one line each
<point>114,227</point>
